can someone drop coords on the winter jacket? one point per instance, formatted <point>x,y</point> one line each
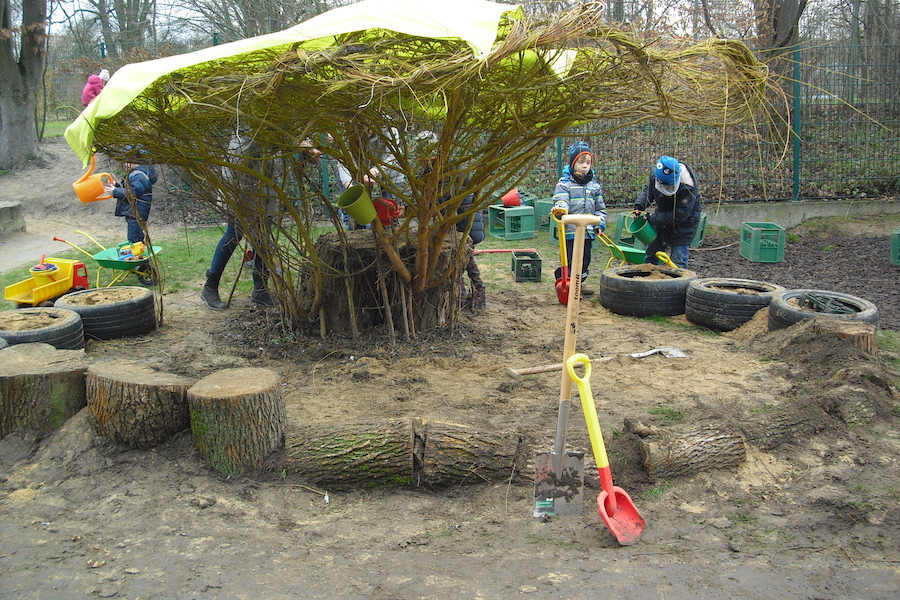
<point>476,232</point>
<point>676,217</point>
<point>91,89</point>
<point>580,199</point>
<point>140,182</point>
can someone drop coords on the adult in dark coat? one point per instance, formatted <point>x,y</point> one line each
<point>673,187</point>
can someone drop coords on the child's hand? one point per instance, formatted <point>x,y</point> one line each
<point>109,187</point>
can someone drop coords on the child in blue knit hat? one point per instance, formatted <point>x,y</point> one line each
<point>579,192</point>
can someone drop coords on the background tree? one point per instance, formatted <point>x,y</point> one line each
<point>22,56</point>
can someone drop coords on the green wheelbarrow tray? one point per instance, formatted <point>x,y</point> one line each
<point>109,259</point>
<point>628,254</point>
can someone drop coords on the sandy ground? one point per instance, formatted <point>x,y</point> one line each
<point>814,517</point>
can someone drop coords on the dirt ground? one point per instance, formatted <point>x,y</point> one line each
<point>815,517</point>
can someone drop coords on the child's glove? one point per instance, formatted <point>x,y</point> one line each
<point>559,209</point>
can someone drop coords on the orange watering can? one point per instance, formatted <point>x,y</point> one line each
<point>90,187</point>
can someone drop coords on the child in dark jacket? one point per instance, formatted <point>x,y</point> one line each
<point>135,194</point>
<point>673,187</point>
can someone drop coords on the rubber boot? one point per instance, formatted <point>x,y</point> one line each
<point>479,297</point>
<point>210,291</point>
<point>260,294</point>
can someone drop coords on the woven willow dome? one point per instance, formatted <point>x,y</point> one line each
<point>493,115</point>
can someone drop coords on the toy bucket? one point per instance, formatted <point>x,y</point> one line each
<point>89,188</point>
<point>357,203</point>
<point>44,273</point>
<point>386,209</point>
<point>512,198</point>
<point>640,228</point>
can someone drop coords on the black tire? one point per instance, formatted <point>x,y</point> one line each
<point>784,309</point>
<point>645,290</point>
<point>65,330</point>
<point>135,315</point>
<point>723,304</point>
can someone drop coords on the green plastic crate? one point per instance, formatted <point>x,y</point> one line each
<point>762,242</point>
<point>543,220</point>
<point>513,223</point>
<point>895,247</point>
<point>526,266</point>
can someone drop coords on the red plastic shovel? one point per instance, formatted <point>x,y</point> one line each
<point>562,284</point>
<point>614,504</point>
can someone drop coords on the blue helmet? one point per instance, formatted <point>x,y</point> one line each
<point>667,173</point>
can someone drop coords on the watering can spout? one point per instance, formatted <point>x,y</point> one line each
<point>90,170</point>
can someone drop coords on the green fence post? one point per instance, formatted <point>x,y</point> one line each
<point>796,125</point>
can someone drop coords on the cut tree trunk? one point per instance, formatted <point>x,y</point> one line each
<point>135,405</point>
<point>691,452</point>
<point>358,275</point>
<point>40,387</point>
<point>456,454</point>
<point>237,418</point>
<point>402,453</point>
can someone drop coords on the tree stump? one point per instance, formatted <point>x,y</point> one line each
<point>353,280</point>
<point>40,387</point>
<point>860,335</point>
<point>135,405</point>
<point>237,418</point>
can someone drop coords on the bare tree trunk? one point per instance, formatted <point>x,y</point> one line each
<point>21,76</point>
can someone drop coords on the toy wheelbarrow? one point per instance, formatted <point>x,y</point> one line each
<point>119,266</point>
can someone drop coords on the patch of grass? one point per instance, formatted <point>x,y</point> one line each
<point>670,415</point>
<point>745,519</point>
<point>861,489</point>
<point>55,128</point>
<point>828,248</point>
<point>761,409</point>
<point>659,491</point>
<point>792,238</point>
<point>183,261</point>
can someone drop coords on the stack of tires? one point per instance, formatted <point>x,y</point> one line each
<point>82,314</point>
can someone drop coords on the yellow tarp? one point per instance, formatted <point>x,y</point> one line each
<point>473,21</point>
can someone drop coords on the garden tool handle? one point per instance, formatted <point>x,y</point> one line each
<point>561,234</point>
<point>665,258</point>
<point>588,406</point>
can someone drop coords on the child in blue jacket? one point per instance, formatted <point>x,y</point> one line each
<point>579,192</point>
<point>136,193</point>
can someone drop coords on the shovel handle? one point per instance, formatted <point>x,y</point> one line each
<point>588,407</point>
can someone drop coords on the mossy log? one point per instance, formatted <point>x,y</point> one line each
<point>402,453</point>
<point>40,387</point>
<point>356,285</point>
<point>237,418</point>
<point>338,456</point>
<point>135,405</point>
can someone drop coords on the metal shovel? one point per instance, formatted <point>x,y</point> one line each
<point>614,504</point>
<point>559,476</point>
